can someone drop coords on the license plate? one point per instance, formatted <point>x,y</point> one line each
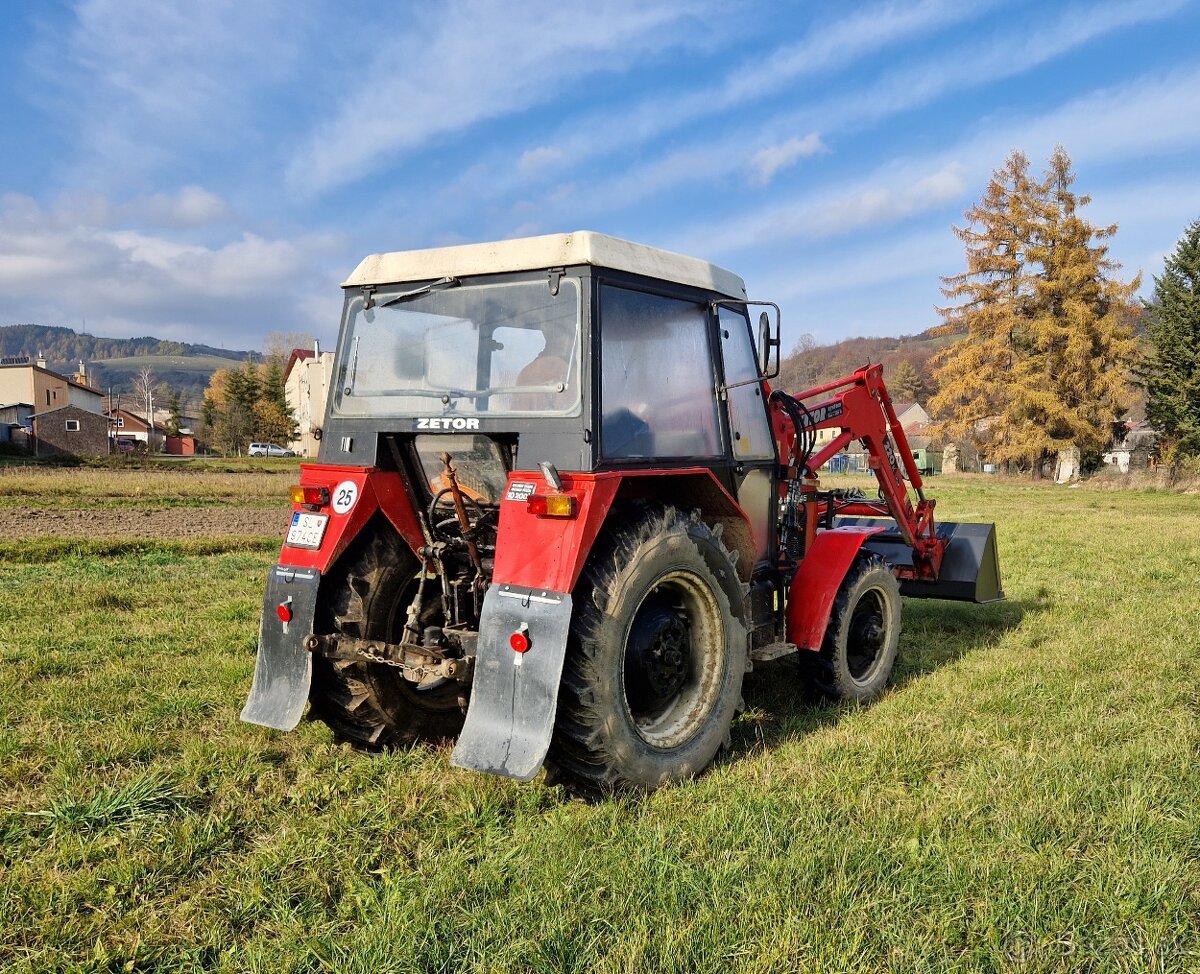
<point>307,530</point>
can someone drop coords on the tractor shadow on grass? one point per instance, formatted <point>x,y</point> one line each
<point>780,706</point>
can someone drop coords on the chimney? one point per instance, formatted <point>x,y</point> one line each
<point>317,347</point>
<point>41,360</point>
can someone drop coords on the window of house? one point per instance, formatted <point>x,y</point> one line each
<point>120,422</point>
<point>656,385</point>
<point>72,426</point>
<point>47,397</point>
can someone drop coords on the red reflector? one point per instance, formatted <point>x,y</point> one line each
<point>551,505</point>
<point>284,611</point>
<point>519,640</point>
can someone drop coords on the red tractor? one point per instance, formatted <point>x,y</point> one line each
<point>559,510</point>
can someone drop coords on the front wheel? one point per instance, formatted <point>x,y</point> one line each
<point>653,675</point>
<point>863,636</point>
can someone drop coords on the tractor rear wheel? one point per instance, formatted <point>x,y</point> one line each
<point>371,705</point>
<point>859,649</point>
<point>654,667</point>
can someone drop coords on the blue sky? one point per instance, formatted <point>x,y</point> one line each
<point>210,171</point>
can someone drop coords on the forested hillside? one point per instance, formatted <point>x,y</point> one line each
<point>115,362</point>
<point>905,361</point>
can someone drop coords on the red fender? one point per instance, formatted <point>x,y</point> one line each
<point>549,553</point>
<point>374,490</point>
<point>810,598</point>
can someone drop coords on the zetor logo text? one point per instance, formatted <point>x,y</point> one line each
<point>447,423</point>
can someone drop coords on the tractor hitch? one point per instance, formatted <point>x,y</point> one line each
<point>420,665</point>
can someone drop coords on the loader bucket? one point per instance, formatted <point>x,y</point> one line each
<point>970,569</point>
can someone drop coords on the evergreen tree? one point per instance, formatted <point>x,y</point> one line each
<point>1172,371</point>
<point>905,383</point>
<point>1045,359</point>
<point>174,417</point>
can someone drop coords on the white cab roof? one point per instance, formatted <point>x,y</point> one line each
<point>537,253</point>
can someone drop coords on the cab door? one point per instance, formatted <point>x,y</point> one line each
<point>752,447</point>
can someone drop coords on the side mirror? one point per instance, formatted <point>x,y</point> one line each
<point>768,345</point>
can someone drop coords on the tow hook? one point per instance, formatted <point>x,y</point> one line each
<point>418,664</point>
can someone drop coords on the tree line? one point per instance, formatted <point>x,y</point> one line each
<point>246,405</point>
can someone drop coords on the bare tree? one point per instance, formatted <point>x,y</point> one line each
<point>145,385</point>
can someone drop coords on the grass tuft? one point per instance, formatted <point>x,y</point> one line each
<point>148,795</point>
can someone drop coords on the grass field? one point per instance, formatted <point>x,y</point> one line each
<point>1025,799</point>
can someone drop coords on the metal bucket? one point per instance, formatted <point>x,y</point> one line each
<point>970,569</point>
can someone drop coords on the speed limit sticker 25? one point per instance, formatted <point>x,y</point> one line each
<point>344,496</point>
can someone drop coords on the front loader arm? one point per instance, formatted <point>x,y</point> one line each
<point>860,406</point>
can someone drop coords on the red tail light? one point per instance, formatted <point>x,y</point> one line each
<point>519,640</point>
<point>309,496</point>
<point>552,505</point>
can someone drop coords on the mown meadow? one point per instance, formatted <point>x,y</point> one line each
<point>1026,798</point>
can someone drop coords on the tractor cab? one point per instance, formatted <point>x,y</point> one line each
<point>578,350</point>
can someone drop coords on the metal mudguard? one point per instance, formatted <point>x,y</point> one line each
<point>283,672</point>
<point>514,696</point>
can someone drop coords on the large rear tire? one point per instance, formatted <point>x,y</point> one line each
<point>371,705</point>
<point>863,635</point>
<point>654,667</point>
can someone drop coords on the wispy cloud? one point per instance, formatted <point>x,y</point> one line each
<point>829,46</point>
<point>469,61</point>
<point>144,84</point>
<point>1157,109</point>
<point>769,160</point>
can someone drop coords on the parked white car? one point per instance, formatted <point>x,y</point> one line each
<point>269,450</point>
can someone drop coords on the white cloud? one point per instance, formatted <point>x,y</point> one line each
<point>59,265</point>
<point>766,162</point>
<point>827,47</point>
<point>1138,120</point>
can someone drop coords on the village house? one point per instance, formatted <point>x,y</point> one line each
<point>306,382</point>
<point>23,381</point>
<point>70,430</point>
<point>73,410</point>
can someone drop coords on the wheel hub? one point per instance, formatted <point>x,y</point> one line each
<point>657,662</point>
<point>867,637</point>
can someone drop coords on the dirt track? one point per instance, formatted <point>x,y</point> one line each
<point>211,522</point>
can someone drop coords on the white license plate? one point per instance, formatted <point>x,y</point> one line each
<point>307,530</point>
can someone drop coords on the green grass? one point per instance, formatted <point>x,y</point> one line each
<point>1025,799</point>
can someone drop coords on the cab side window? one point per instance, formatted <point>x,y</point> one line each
<point>748,424</point>
<point>657,385</point>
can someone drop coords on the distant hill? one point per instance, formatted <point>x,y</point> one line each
<point>809,365</point>
<point>115,362</point>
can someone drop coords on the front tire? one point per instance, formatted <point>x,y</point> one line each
<point>654,667</point>
<point>863,635</point>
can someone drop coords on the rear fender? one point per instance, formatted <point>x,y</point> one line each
<point>816,584</point>
<point>283,668</point>
<point>355,494</point>
<point>514,696</point>
<point>543,552</point>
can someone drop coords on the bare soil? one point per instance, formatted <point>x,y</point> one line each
<point>211,522</point>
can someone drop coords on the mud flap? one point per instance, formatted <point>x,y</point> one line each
<point>514,696</point>
<point>283,671</point>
